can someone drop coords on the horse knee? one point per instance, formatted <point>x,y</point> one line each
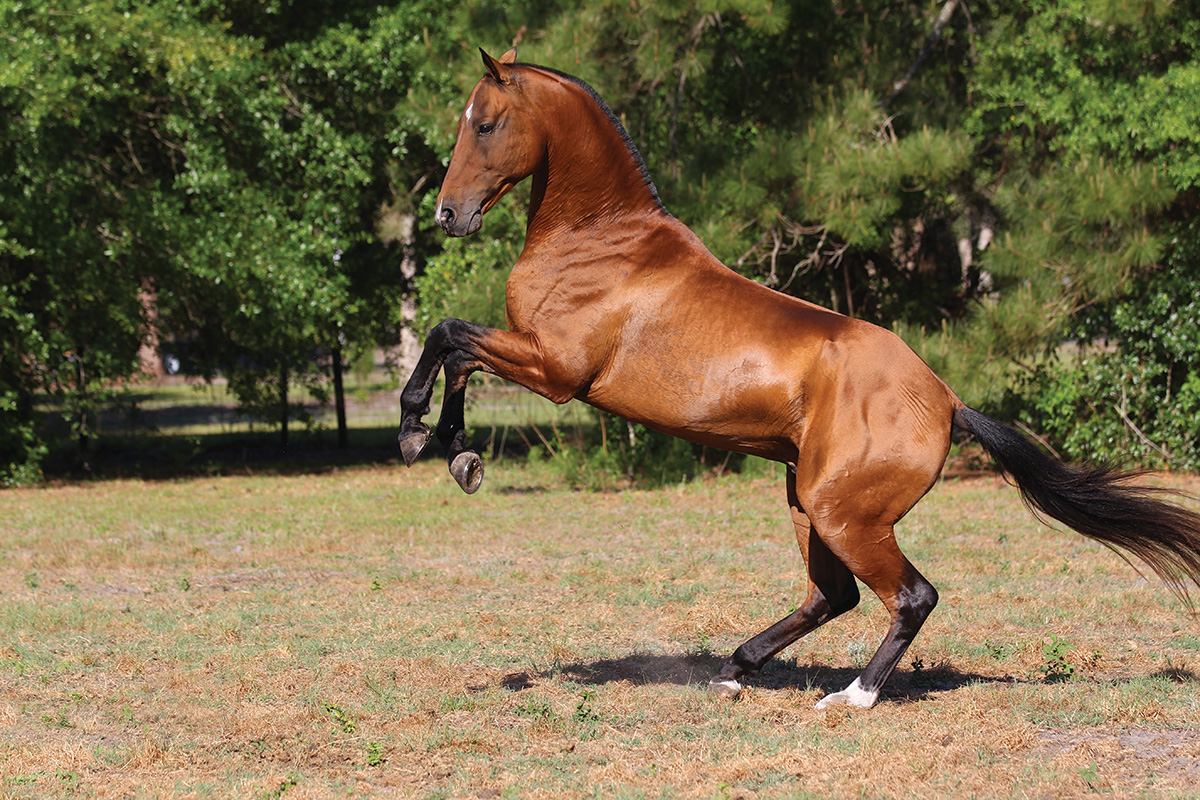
<point>915,602</point>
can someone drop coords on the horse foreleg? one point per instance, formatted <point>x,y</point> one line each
<point>465,464</point>
<point>414,399</point>
<point>462,348</point>
<point>831,592</point>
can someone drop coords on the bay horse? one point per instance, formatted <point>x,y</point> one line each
<point>616,303</point>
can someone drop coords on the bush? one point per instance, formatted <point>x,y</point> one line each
<point>614,452</point>
<point>1132,392</point>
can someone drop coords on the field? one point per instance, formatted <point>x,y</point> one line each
<point>370,631</point>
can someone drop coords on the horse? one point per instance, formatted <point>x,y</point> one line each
<point>616,303</point>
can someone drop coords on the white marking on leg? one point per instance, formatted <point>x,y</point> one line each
<point>724,688</point>
<point>852,695</point>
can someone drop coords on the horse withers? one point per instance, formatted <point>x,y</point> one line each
<point>616,303</point>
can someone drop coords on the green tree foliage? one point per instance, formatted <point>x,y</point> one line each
<point>257,179</point>
<point>83,90</point>
<point>1131,393</point>
<point>216,170</point>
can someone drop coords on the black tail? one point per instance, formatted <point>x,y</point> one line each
<point>1098,502</point>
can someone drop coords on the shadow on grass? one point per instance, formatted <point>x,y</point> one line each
<point>170,456</point>
<point>694,669</point>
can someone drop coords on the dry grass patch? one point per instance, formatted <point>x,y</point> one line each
<point>374,631</point>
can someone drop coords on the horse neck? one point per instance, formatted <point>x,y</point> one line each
<point>589,177</point>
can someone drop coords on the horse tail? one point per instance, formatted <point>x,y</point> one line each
<point>1098,502</point>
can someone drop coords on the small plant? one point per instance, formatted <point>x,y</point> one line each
<point>535,708</point>
<point>24,780</point>
<point>583,709</point>
<point>57,721</point>
<point>374,754</point>
<point>1055,666</point>
<point>376,584</point>
<point>996,650</point>
<point>280,790</point>
<point>342,719</point>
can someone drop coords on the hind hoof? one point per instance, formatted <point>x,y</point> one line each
<point>412,444</point>
<point>725,687</point>
<point>467,469</point>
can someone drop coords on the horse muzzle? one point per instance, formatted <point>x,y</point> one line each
<point>457,221</point>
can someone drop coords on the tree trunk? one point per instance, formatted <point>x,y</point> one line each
<point>339,397</point>
<point>410,344</point>
<point>283,405</point>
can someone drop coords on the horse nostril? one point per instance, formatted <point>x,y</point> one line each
<point>446,216</point>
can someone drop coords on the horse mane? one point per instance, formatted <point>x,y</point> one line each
<point>616,123</point>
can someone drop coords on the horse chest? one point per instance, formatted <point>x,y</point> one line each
<point>571,302</point>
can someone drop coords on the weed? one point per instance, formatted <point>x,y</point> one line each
<point>58,720</point>
<point>1054,666</point>
<point>374,754</point>
<point>341,718</point>
<point>996,650</point>
<point>583,709</point>
<point>537,709</point>
<point>280,790</point>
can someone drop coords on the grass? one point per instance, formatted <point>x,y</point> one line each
<point>370,630</point>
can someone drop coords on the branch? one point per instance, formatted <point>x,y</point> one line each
<point>934,35</point>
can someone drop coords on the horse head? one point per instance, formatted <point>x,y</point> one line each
<point>497,147</point>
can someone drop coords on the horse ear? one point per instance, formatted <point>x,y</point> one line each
<point>510,57</point>
<point>496,69</point>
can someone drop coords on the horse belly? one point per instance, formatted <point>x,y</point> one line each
<point>740,406</point>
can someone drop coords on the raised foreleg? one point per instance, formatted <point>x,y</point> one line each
<point>462,348</point>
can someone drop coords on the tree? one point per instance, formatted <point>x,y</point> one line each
<point>83,93</point>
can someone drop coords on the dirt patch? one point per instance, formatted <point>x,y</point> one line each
<point>1124,759</point>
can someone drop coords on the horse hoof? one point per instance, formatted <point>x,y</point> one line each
<point>412,444</point>
<point>467,469</point>
<point>725,687</point>
<point>853,695</point>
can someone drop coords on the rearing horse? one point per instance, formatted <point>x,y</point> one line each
<point>616,303</point>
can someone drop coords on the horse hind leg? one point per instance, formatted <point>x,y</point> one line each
<point>871,553</point>
<point>831,592</point>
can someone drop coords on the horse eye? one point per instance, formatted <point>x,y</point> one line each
<point>486,128</point>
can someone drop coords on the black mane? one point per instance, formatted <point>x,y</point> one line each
<point>612,117</point>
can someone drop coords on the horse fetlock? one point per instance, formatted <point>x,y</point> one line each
<point>467,469</point>
<point>412,440</point>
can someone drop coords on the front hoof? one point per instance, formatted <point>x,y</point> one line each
<point>411,444</point>
<point>467,469</point>
<point>725,687</point>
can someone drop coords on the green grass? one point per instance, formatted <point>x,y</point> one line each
<point>371,630</point>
